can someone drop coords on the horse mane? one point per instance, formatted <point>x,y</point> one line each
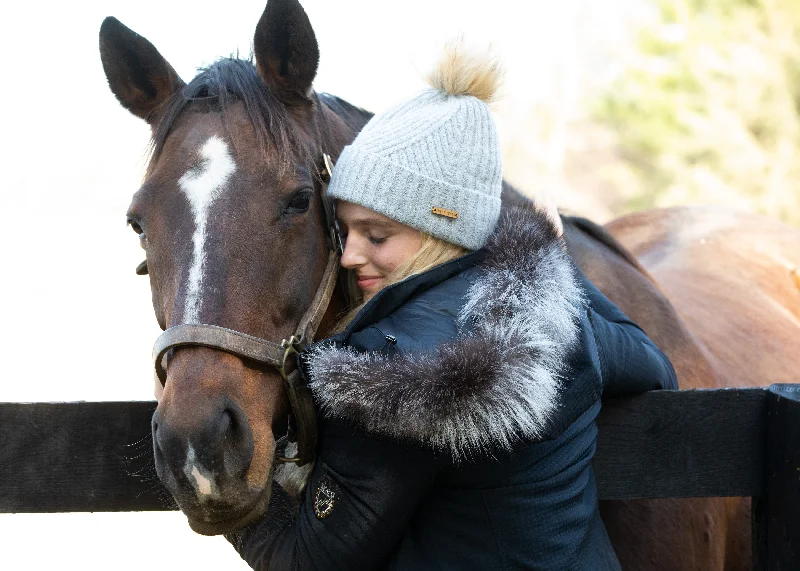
<point>216,88</point>
<point>354,117</point>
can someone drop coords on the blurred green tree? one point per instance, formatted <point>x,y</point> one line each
<point>707,106</point>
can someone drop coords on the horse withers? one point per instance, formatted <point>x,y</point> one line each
<point>231,217</point>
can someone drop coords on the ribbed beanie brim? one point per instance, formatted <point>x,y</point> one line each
<point>410,197</point>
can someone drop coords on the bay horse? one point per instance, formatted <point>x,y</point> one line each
<point>231,217</point>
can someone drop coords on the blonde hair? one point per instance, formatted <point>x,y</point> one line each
<point>432,252</point>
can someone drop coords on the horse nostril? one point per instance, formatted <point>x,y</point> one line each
<point>158,447</point>
<point>237,440</point>
<point>216,442</point>
<point>228,422</point>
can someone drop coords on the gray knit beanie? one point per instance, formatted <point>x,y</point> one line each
<point>433,162</point>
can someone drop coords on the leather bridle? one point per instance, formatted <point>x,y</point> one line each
<point>302,417</point>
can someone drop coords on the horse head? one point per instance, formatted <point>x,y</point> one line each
<point>231,218</point>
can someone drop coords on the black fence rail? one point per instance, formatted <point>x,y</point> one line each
<point>97,456</point>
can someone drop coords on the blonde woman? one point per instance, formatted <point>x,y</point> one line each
<point>458,401</point>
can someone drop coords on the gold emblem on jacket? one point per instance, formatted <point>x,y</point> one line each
<point>324,498</point>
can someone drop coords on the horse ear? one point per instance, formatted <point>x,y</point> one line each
<point>286,51</point>
<point>138,75</point>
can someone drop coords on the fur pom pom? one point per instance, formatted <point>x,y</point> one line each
<point>467,72</point>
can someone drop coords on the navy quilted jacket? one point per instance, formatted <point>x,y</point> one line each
<point>457,417</point>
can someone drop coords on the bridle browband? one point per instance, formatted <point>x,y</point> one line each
<point>276,355</point>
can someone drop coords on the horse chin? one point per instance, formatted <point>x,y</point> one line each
<point>229,516</point>
<point>231,524</point>
<point>230,521</point>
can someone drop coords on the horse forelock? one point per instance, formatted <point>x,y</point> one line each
<point>216,89</point>
<point>227,81</point>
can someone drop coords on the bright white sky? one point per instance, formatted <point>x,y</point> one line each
<point>71,157</point>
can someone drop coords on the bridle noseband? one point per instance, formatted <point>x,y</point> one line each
<point>302,418</point>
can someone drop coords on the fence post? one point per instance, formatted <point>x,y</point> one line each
<point>777,515</point>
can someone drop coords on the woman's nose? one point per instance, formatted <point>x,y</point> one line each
<point>352,257</point>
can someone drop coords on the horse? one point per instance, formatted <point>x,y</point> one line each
<point>233,221</point>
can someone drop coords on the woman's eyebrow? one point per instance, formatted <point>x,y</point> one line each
<point>370,223</point>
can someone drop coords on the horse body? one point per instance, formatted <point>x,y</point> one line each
<point>717,290</point>
<point>733,278</point>
<point>231,219</point>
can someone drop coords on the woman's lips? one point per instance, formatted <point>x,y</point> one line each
<point>368,282</point>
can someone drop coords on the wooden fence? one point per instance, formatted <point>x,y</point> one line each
<point>97,456</point>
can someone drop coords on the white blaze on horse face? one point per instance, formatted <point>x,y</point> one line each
<point>201,479</point>
<point>202,186</point>
<point>203,483</point>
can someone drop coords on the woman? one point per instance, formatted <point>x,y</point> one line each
<point>458,402</point>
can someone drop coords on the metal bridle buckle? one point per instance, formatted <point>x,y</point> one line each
<point>337,244</point>
<point>281,443</point>
<point>290,347</point>
<point>328,172</point>
<point>336,237</point>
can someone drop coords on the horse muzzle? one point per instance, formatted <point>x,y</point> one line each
<point>204,455</point>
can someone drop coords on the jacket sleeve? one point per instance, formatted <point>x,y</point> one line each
<point>629,360</point>
<point>370,487</point>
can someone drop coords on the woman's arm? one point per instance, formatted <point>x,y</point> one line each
<point>630,361</point>
<point>371,488</point>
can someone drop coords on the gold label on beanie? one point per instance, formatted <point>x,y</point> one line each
<point>444,212</point>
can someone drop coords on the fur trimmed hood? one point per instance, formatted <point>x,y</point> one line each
<point>494,385</point>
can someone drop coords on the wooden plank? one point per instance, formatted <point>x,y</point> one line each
<point>83,456</point>
<point>98,456</point>
<point>703,443</point>
<point>783,482</point>
<point>758,521</point>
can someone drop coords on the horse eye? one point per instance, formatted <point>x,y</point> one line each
<point>299,203</point>
<point>135,226</point>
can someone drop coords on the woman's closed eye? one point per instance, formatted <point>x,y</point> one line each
<point>373,238</point>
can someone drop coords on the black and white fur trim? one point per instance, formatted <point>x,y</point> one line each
<point>486,390</point>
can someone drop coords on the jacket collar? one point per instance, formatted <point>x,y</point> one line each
<point>390,298</point>
<point>488,389</point>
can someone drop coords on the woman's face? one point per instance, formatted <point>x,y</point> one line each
<point>374,245</point>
